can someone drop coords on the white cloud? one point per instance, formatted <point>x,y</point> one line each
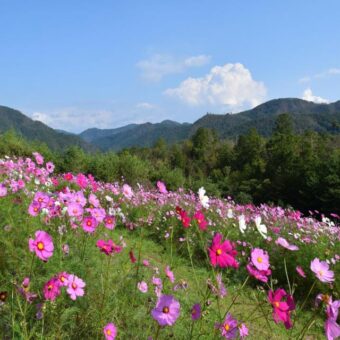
<point>145,105</point>
<point>160,65</point>
<point>308,95</point>
<point>228,86</point>
<point>328,73</point>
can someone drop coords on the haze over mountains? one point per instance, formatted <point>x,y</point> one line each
<point>306,116</point>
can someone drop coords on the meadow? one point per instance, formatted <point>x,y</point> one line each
<point>80,258</point>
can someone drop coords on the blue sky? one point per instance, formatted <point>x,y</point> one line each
<point>79,64</point>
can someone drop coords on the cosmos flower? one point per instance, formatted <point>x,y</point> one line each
<point>284,243</point>
<point>110,331</point>
<point>203,198</point>
<point>142,286</point>
<point>161,187</point>
<point>167,310</point>
<point>281,308</point>
<point>262,229</point>
<point>196,311</point>
<point>229,328</point>
<point>242,223</point>
<point>222,254</point>
<point>51,289</point>
<point>300,271</point>
<point>42,245</point>
<point>75,287</point>
<point>260,259</point>
<point>321,270</point>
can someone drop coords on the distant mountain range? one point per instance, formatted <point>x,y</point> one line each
<point>306,116</point>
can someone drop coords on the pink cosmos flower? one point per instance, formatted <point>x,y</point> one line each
<point>110,331</point>
<point>68,177</point>
<point>199,217</point>
<point>146,263</point>
<point>321,270</point>
<point>300,271</point>
<point>184,217</point>
<point>332,329</point>
<point>284,243</point>
<point>161,187</point>
<point>3,190</point>
<point>167,310</point>
<point>38,158</point>
<point>222,253</point>
<point>229,328</point>
<point>75,286</point>
<point>108,247</point>
<point>127,191</point>
<point>42,245</point>
<point>51,289</point>
<point>75,210</point>
<point>110,222</point>
<point>261,275</point>
<point>281,309</point>
<point>63,279</point>
<point>34,208</point>
<point>196,311</point>
<point>142,286</point>
<point>50,167</point>
<point>170,274</point>
<point>243,330</point>
<point>260,259</point>
<point>89,224</point>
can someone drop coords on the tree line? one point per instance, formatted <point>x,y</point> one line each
<point>289,169</point>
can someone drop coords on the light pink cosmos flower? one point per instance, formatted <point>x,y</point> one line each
<point>284,243</point>
<point>75,286</point>
<point>260,259</point>
<point>50,167</point>
<point>42,245</point>
<point>161,187</point>
<point>89,224</point>
<point>142,286</point>
<point>243,329</point>
<point>110,331</point>
<point>3,190</point>
<point>109,222</point>
<point>300,271</point>
<point>321,270</point>
<point>170,274</point>
<point>127,191</point>
<point>38,158</point>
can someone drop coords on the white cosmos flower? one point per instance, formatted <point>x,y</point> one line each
<point>203,198</point>
<point>230,213</point>
<point>242,223</point>
<point>262,229</point>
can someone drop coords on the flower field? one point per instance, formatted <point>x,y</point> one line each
<point>81,259</point>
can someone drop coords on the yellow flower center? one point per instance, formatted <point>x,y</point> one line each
<point>108,331</point>
<point>49,287</point>
<point>325,298</point>
<point>320,272</point>
<point>277,304</point>
<point>166,310</point>
<point>219,251</point>
<point>226,327</point>
<point>35,209</point>
<point>89,223</point>
<point>40,246</point>
<point>259,260</point>
<point>74,286</point>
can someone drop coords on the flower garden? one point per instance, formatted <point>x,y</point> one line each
<point>91,260</point>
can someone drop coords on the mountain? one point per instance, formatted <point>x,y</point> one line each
<point>306,116</point>
<point>137,135</point>
<point>35,130</point>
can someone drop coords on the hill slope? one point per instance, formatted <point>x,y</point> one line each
<point>35,130</point>
<point>306,116</point>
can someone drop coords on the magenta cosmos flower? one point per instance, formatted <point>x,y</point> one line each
<point>281,309</point>
<point>110,331</point>
<point>75,287</point>
<point>167,310</point>
<point>196,311</point>
<point>229,328</point>
<point>321,270</point>
<point>199,217</point>
<point>332,328</point>
<point>222,253</point>
<point>42,245</point>
<point>51,289</point>
<point>108,247</point>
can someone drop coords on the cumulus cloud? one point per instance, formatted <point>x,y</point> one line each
<point>160,65</point>
<point>309,96</point>
<point>229,86</point>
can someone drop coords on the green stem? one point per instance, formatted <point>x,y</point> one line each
<point>289,286</point>
<point>157,332</point>
<point>236,296</point>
